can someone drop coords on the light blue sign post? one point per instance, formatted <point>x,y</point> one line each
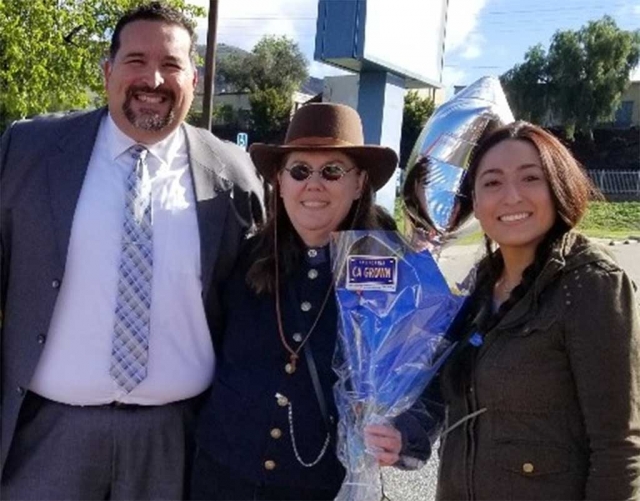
<point>242,140</point>
<point>356,36</point>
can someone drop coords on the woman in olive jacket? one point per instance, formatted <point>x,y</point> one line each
<point>544,394</point>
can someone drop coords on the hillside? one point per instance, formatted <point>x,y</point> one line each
<point>312,86</point>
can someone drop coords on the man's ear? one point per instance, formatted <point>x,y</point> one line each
<point>195,77</point>
<point>106,72</point>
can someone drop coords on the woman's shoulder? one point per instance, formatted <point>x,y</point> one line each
<point>581,252</point>
<point>591,273</point>
<point>246,255</point>
<point>250,244</point>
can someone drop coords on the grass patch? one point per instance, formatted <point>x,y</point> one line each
<point>613,220</point>
<point>470,239</point>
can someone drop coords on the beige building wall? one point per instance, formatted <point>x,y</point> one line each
<point>633,94</point>
<point>438,95</point>
<point>237,100</point>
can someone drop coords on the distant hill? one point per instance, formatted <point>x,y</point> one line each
<point>312,86</point>
<point>222,50</point>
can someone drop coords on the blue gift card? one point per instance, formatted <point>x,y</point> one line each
<point>372,273</point>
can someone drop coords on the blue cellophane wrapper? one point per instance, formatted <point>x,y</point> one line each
<point>391,343</point>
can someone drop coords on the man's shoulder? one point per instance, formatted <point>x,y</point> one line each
<point>235,163</point>
<point>54,123</point>
<point>30,141</point>
<point>220,146</point>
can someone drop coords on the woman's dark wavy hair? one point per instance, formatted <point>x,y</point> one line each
<point>363,215</point>
<point>571,189</point>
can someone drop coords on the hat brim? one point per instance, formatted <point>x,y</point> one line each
<point>379,161</point>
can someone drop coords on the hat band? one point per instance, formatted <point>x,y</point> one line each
<point>320,141</point>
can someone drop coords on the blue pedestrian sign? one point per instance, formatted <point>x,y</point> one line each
<point>242,140</point>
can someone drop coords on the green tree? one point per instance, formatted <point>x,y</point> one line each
<point>271,72</point>
<point>225,113</point>
<point>526,86</point>
<point>270,111</point>
<point>590,70</point>
<point>278,63</point>
<point>233,72</point>
<point>50,53</point>
<point>417,110</point>
<point>580,80</point>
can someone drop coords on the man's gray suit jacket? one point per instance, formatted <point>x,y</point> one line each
<point>42,167</point>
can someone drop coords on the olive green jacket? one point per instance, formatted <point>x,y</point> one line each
<point>557,386</point>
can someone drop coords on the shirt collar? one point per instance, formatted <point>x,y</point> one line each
<point>118,143</point>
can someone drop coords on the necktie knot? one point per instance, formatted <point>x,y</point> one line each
<point>138,152</point>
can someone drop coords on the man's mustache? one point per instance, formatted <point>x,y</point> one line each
<point>159,91</point>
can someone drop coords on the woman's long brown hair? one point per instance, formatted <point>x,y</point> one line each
<point>363,215</point>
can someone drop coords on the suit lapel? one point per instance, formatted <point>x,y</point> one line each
<point>66,169</point>
<point>212,194</point>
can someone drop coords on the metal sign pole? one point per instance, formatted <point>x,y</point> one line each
<point>210,64</point>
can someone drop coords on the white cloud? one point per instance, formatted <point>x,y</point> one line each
<point>243,22</point>
<point>452,76</point>
<point>631,8</point>
<point>321,70</point>
<point>462,21</point>
<point>473,48</point>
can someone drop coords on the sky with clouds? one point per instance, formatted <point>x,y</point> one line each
<point>483,37</point>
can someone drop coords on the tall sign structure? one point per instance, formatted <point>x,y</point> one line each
<point>391,46</point>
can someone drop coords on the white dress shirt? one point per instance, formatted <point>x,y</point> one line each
<point>74,367</point>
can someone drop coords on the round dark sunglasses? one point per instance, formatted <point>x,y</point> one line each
<point>328,172</point>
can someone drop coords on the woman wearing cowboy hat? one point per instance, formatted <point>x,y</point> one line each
<point>267,429</point>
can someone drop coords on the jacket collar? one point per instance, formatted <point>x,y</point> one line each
<point>571,251</point>
<point>67,167</point>
<point>213,190</point>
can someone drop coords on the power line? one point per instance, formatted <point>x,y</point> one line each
<point>553,10</point>
<point>269,18</point>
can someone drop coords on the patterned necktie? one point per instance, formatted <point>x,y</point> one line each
<point>130,348</point>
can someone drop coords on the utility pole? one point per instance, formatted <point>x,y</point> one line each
<point>210,64</point>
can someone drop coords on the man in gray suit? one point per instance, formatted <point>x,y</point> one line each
<point>117,227</point>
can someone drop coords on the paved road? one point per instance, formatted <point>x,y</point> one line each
<point>455,263</point>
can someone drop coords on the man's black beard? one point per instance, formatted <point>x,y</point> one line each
<point>149,121</point>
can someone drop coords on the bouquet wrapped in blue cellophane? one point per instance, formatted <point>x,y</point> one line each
<point>394,309</point>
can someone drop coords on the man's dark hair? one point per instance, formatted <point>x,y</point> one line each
<point>153,11</point>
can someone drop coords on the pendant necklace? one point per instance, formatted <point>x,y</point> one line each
<point>291,366</point>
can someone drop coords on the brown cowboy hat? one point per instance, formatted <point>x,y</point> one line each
<point>327,126</point>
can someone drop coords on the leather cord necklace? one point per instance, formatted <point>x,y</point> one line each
<point>291,366</point>
<point>294,354</point>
